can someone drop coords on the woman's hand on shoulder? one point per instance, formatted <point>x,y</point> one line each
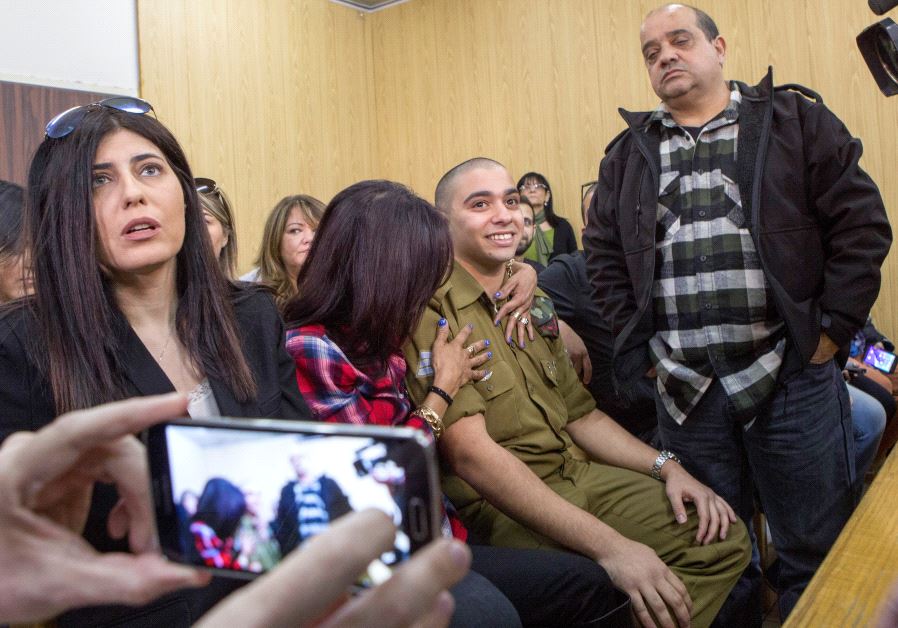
<point>455,362</point>
<point>520,289</point>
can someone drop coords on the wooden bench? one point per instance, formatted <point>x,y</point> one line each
<point>862,566</point>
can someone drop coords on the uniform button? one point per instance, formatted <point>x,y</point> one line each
<point>702,213</point>
<point>703,258</point>
<point>707,306</point>
<point>489,387</point>
<point>530,388</point>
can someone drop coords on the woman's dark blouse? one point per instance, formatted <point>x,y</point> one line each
<point>26,404</point>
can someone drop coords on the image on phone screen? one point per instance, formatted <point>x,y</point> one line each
<point>240,499</point>
<point>880,359</point>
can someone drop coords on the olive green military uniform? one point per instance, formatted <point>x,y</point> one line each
<point>527,401</point>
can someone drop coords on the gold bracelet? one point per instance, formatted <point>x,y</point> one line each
<point>431,418</point>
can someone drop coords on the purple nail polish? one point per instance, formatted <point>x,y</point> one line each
<point>497,295</point>
<point>442,322</point>
<point>486,342</point>
<point>489,354</point>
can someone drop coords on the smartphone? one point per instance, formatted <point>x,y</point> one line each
<point>237,495</point>
<point>880,359</point>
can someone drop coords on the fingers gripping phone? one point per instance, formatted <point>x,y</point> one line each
<point>236,495</point>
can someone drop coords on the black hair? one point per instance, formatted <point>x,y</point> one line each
<point>549,207</point>
<point>220,506</point>
<point>73,297</point>
<point>380,253</point>
<point>443,193</point>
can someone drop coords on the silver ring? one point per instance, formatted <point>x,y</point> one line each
<point>516,315</point>
<point>470,350</point>
<point>525,320</point>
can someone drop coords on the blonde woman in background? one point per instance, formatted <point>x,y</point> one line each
<point>289,232</point>
<point>220,222</point>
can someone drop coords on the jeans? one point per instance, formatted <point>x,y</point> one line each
<point>868,418</point>
<point>798,454</point>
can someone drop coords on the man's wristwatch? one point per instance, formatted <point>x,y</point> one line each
<point>663,457</point>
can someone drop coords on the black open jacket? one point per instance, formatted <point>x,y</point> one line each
<point>816,218</point>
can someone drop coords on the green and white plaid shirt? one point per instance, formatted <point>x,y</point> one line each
<point>714,314</point>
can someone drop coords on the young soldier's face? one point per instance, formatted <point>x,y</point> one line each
<point>485,220</point>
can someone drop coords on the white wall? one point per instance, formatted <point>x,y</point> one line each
<point>88,45</point>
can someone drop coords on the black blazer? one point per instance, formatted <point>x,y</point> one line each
<point>26,403</point>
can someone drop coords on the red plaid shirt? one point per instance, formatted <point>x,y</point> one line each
<point>338,392</point>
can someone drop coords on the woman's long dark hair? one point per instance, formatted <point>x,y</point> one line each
<point>379,254</point>
<point>221,506</point>
<point>79,325</point>
<point>549,207</point>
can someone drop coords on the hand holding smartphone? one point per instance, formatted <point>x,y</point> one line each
<point>236,496</point>
<point>881,359</point>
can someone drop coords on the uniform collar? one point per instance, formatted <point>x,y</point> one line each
<point>462,289</point>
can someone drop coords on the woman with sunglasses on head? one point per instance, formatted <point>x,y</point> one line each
<point>288,235</point>
<point>129,301</point>
<point>553,235</point>
<point>219,220</point>
<point>355,310</point>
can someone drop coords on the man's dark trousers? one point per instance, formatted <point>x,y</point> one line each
<point>798,454</point>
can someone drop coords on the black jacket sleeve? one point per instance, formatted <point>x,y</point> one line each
<point>264,344</point>
<point>26,401</point>
<point>855,228</point>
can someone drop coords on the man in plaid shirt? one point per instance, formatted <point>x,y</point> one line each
<point>734,246</point>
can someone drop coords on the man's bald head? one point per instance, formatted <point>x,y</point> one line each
<point>702,19</point>
<point>446,186</point>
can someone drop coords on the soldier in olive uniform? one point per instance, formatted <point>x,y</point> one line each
<point>506,439</point>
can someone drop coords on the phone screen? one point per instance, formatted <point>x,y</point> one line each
<point>880,359</point>
<point>238,499</point>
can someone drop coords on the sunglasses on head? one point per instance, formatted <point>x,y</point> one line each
<point>205,186</point>
<point>69,120</point>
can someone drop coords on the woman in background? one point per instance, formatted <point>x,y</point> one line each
<point>553,234</point>
<point>15,276</point>
<point>219,220</point>
<point>288,235</point>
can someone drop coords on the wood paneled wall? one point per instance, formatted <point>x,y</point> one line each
<point>286,96</point>
<point>268,98</point>
<point>26,109</point>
